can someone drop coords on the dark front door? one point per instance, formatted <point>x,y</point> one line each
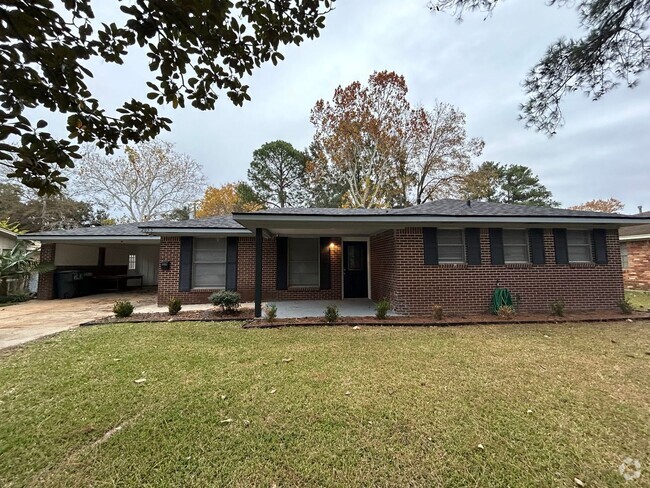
<point>355,269</point>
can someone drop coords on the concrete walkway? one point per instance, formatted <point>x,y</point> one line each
<point>351,307</point>
<point>37,318</point>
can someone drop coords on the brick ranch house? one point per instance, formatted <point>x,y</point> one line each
<point>447,252</point>
<point>635,255</point>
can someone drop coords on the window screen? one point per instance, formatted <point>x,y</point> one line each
<point>579,246</point>
<point>515,246</point>
<point>451,246</point>
<point>209,263</point>
<point>303,261</point>
<point>624,256</point>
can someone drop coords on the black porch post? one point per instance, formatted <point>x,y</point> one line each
<point>259,241</point>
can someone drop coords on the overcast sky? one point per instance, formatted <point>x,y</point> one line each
<point>477,65</point>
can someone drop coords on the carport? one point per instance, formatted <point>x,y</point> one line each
<point>93,260</point>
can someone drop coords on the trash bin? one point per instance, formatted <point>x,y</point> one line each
<point>66,283</point>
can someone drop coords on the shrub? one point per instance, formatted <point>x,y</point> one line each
<point>174,306</point>
<point>625,305</point>
<point>11,299</point>
<point>123,308</point>
<point>331,314</point>
<point>271,312</point>
<point>382,308</point>
<point>557,307</point>
<point>229,301</point>
<point>506,312</point>
<point>437,312</point>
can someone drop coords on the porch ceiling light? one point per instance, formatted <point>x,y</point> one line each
<point>332,245</point>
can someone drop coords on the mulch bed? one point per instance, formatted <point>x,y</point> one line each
<point>247,316</point>
<point>211,315</point>
<point>447,321</point>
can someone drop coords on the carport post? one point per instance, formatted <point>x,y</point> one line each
<point>259,241</point>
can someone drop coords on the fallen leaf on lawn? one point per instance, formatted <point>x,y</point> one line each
<point>356,327</point>
<point>223,397</point>
<point>529,411</point>
<point>140,380</point>
<point>630,320</point>
<point>546,336</point>
<point>116,359</point>
<point>273,391</point>
<point>347,393</point>
<point>578,482</point>
<point>226,421</point>
<point>287,360</point>
<point>480,446</point>
<point>247,423</point>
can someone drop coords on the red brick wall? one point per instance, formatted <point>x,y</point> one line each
<point>382,257</point>
<point>468,289</point>
<point>168,280</point>
<point>46,280</point>
<point>637,274</point>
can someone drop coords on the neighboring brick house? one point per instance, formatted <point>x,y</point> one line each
<point>451,253</point>
<point>635,255</point>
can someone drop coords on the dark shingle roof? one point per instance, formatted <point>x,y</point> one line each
<point>219,222</point>
<point>460,208</point>
<point>636,230</point>
<point>125,230</point>
<point>446,207</point>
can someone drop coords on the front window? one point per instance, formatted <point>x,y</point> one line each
<point>303,257</point>
<point>579,246</point>
<point>624,256</point>
<point>515,245</point>
<point>132,262</point>
<point>209,263</point>
<point>451,246</point>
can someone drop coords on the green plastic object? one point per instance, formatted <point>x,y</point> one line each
<point>500,297</point>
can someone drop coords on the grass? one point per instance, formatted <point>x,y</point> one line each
<point>327,406</point>
<point>639,299</point>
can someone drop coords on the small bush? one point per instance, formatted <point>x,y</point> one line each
<point>331,314</point>
<point>174,306</point>
<point>557,307</point>
<point>437,312</point>
<point>229,301</point>
<point>382,308</point>
<point>506,312</point>
<point>271,312</point>
<point>123,308</point>
<point>625,305</point>
<point>11,299</point>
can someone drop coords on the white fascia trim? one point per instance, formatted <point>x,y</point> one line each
<point>87,238</point>
<point>158,231</point>
<point>640,237</point>
<point>415,219</point>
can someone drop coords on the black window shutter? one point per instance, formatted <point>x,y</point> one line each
<point>185,271</point>
<point>473,244</point>
<point>561,249</point>
<point>599,238</point>
<point>430,239</point>
<point>496,246</point>
<point>325,271</point>
<point>536,237</point>
<point>282,244</point>
<point>231,263</point>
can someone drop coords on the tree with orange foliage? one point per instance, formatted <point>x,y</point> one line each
<point>226,199</point>
<point>611,205</point>
<point>386,153</point>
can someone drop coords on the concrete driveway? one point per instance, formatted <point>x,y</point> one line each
<point>37,318</point>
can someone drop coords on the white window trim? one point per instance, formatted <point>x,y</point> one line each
<point>590,246</point>
<point>625,256</point>
<point>303,287</point>
<point>195,262</point>
<point>527,260</point>
<point>464,245</point>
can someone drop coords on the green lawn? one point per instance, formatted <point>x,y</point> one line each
<point>370,407</point>
<point>640,299</point>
